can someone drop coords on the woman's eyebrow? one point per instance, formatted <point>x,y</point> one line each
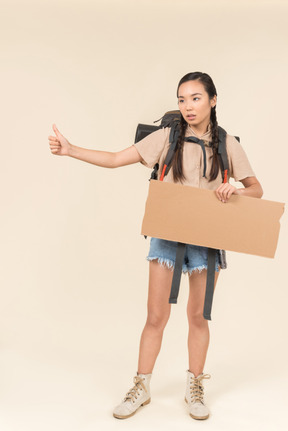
<point>194,94</point>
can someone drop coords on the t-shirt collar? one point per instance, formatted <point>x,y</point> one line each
<point>206,136</point>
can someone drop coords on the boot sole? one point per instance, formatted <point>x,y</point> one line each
<point>131,414</point>
<point>196,417</point>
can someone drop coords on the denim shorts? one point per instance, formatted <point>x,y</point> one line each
<point>195,257</point>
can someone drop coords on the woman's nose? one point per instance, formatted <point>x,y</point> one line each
<point>189,104</point>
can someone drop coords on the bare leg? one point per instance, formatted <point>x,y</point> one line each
<point>198,336</point>
<point>158,312</point>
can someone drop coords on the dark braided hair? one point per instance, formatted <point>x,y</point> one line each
<point>177,169</point>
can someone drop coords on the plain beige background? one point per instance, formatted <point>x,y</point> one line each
<point>73,271</point>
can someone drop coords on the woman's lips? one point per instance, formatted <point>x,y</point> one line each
<point>191,117</point>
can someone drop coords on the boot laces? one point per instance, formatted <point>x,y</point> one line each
<point>135,391</point>
<point>196,388</point>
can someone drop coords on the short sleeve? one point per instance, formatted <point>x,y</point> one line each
<point>151,147</point>
<point>240,167</point>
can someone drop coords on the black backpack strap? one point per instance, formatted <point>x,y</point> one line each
<point>209,283</point>
<point>173,138</point>
<point>177,273</point>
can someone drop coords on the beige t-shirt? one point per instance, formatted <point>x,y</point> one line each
<point>154,147</point>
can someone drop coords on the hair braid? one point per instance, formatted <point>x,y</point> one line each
<point>215,141</point>
<point>177,170</point>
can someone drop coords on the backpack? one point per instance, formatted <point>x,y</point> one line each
<point>172,119</point>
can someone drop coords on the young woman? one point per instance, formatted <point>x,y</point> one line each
<point>197,99</point>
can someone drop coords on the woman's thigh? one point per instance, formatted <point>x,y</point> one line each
<point>160,279</point>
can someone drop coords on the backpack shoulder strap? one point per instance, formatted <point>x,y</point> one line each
<point>170,119</point>
<point>222,152</point>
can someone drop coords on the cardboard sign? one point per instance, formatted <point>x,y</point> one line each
<point>196,216</point>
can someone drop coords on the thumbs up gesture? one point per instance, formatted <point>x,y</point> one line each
<point>59,145</point>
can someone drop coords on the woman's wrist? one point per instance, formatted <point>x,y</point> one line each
<point>72,151</point>
<point>239,191</point>
<point>251,191</point>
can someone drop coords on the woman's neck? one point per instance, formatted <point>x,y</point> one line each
<point>201,130</point>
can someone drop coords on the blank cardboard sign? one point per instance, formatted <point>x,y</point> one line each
<point>196,216</point>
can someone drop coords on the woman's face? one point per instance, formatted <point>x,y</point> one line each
<point>194,104</point>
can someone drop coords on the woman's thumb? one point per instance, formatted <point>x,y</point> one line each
<point>56,130</point>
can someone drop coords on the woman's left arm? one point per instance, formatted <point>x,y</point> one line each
<point>252,188</point>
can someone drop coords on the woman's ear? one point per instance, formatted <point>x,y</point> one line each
<point>213,101</point>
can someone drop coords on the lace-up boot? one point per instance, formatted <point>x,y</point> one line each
<point>194,395</point>
<point>136,397</point>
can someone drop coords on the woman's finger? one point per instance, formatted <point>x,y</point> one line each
<point>225,188</point>
<point>57,133</point>
<point>54,150</point>
<point>230,193</point>
<point>219,192</point>
<point>225,193</point>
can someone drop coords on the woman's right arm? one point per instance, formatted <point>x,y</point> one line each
<point>106,159</point>
<point>59,145</point>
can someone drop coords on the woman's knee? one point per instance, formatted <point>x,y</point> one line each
<point>157,320</point>
<point>196,318</point>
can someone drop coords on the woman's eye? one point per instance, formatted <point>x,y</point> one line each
<point>181,101</point>
<point>196,98</point>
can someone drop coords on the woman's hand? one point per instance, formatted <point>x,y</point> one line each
<point>252,188</point>
<point>224,191</point>
<point>59,144</point>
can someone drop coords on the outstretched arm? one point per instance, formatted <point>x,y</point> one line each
<point>106,159</point>
<point>59,145</point>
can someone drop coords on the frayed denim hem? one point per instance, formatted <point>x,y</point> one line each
<point>171,264</point>
<point>163,262</point>
<point>199,269</point>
